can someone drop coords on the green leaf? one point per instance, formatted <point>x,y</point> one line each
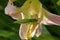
<point>6,33</point>
<point>57,8</point>
<point>25,21</point>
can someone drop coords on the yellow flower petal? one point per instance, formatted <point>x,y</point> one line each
<point>38,30</point>
<point>27,31</point>
<point>50,18</point>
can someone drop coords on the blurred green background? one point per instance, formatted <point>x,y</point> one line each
<point>9,30</point>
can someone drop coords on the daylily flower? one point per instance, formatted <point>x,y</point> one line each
<point>31,9</point>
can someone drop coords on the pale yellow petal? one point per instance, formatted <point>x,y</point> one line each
<point>50,18</point>
<point>22,31</point>
<point>38,30</point>
<point>12,10</point>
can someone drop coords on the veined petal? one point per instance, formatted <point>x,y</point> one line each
<point>27,31</point>
<point>23,30</point>
<point>38,30</point>
<point>12,10</point>
<point>50,18</point>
